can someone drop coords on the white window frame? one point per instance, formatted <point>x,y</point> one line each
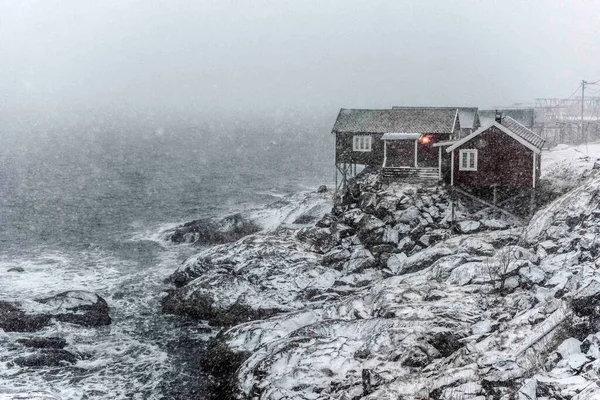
<point>463,160</point>
<point>361,143</point>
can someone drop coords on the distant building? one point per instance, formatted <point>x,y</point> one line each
<point>524,116</point>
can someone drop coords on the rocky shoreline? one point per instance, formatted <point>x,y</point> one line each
<point>384,297</point>
<point>82,308</point>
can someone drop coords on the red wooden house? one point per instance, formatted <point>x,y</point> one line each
<point>502,154</point>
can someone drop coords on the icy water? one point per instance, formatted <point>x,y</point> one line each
<point>86,211</point>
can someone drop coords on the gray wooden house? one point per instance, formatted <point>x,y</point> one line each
<point>400,141</point>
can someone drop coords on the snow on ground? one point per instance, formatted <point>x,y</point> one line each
<point>565,165</point>
<point>447,316</point>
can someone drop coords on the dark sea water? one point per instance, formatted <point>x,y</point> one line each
<point>85,210</point>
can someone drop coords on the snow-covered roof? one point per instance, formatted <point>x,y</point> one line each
<point>512,128</point>
<point>522,131</point>
<point>401,120</point>
<point>400,136</point>
<point>524,116</point>
<point>466,115</point>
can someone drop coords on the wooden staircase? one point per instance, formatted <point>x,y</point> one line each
<point>410,174</point>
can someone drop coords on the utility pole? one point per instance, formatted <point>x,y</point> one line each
<point>582,129</point>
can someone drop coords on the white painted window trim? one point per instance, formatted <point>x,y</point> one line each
<point>361,143</point>
<point>464,155</point>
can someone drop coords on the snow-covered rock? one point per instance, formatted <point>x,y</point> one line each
<point>469,226</point>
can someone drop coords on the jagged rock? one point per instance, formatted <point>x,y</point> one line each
<point>320,239</point>
<point>353,217</point>
<point>336,255</point>
<point>405,244</point>
<point>325,221</point>
<point>476,246</point>
<point>402,229</point>
<point>370,381</point>
<point>390,236</point>
<point>468,226</point>
<point>370,223</point>
<point>79,307</point>
<point>532,274</point>
<point>368,202</point>
<point>396,262</point>
<point>482,327</point>
<point>12,319</point>
<point>494,224</point>
<point>207,231</point>
<point>424,259</point>
<point>568,347</point>
<point>444,340</point>
<point>359,260</point>
<point>44,343</point>
<point>416,358</point>
<point>341,231</point>
<point>585,301</point>
<point>409,216</point>
<point>47,358</point>
<point>386,206</point>
<point>529,390</point>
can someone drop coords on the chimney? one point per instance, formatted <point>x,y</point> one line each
<point>498,117</point>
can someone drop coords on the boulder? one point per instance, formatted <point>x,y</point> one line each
<point>320,239</point>
<point>425,258</point>
<point>569,347</point>
<point>416,358</point>
<point>409,216</point>
<point>208,231</point>
<point>16,269</point>
<point>359,260</point>
<point>78,307</point>
<point>370,223</point>
<point>585,301</point>
<point>322,189</point>
<point>468,226</point>
<point>475,246</point>
<point>532,274</point>
<point>396,262</point>
<point>494,224</point>
<point>12,319</point>
<point>405,244</point>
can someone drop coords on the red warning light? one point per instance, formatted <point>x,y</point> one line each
<point>425,139</point>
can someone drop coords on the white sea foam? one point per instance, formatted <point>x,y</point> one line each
<point>116,361</point>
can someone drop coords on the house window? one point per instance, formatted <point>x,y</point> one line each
<point>468,160</point>
<point>361,143</point>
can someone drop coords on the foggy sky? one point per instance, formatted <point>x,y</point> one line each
<point>288,59</point>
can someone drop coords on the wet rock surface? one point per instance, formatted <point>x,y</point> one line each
<point>76,307</point>
<point>208,231</point>
<point>12,319</point>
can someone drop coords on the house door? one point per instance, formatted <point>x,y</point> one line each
<point>400,153</point>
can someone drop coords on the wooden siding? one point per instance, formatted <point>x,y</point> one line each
<point>345,154</point>
<point>501,161</point>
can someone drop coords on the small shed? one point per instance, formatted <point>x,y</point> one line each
<point>503,154</point>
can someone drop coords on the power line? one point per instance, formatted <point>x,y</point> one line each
<point>575,91</point>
